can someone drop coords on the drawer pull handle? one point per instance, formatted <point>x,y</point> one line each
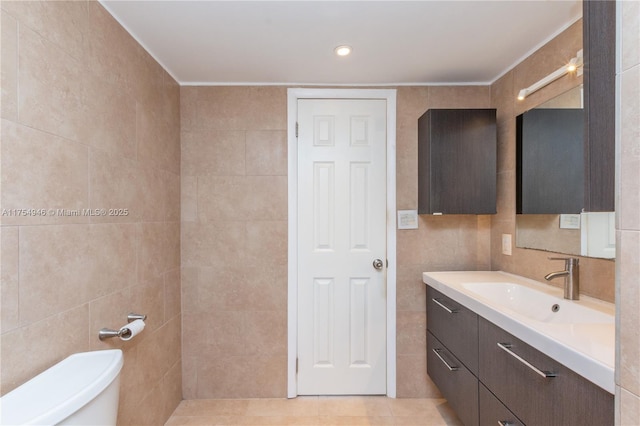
<point>449,366</point>
<point>504,423</point>
<point>505,347</point>
<point>451,311</point>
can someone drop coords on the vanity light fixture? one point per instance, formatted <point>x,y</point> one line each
<point>574,64</point>
<point>343,50</point>
<point>522,94</point>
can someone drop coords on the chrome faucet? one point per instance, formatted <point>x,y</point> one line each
<point>571,276</point>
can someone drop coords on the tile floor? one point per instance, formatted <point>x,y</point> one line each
<point>313,411</point>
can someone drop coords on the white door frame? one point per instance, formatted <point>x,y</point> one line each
<point>293,94</point>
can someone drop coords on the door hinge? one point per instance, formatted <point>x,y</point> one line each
<point>296,129</point>
<point>296,365</point>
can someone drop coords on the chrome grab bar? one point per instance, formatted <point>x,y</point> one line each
<point>451,311</point>
<point>449,366</point>
<point>506,347</point>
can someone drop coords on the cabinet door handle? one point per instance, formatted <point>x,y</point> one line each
<point>506,347</point>
<point>449,366</point>
<point>451,311</point>
<point>504,423</point>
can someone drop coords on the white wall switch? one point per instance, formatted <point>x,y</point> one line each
<point>407,219</point>
<point>570,221</point>
<point>506,244</point>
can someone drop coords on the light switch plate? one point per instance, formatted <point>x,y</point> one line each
<point>570,221</point>
<point>407,219</point>
<point>506,244</point>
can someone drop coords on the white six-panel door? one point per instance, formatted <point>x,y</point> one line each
<point>341,232</point>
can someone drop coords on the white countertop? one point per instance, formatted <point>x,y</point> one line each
<point>586,348</point>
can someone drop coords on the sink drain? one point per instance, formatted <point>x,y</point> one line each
<point>555,308</point>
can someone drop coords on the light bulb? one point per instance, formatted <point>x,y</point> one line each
<point>343,50</point>
<point>522,94</point>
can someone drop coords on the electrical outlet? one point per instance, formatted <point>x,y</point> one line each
<point>506,244</point>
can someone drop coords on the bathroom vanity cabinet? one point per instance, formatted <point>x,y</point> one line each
<point>494,411</point>
<point>561,398</point>
<point>452,353</point>
<point>456,382</point>
<point>486,383</point>
<point>457,161</point>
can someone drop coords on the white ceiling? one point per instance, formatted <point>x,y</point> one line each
<point>292,42</point>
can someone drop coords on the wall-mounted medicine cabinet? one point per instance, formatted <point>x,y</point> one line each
<point>599,39</point>
<point>457,151</point>
<point>549,157</point>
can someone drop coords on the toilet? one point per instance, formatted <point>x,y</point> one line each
<point>82,389</point>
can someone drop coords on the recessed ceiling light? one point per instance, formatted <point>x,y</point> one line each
<point>343,50</point>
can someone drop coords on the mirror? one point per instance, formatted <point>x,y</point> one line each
<point>549,194</point>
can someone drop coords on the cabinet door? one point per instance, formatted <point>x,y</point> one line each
<point>454,380</point>
<point>455,326</point>
<point>457,161</point>
<point>549,173</point>
<point>599,39</point>
<point>493,412</point>
<point>564,399</point>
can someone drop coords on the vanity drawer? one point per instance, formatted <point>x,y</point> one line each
<point>454,380</point>
<point>513,371</point>
<point>455,326</point>
<point>493,412</point>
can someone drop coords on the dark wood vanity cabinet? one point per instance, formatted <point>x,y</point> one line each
<point>493,411</point>
<point>452,354</point>
<point>564,398</point>
<point>457,151</point>
<point>456,383</point>
<point>599,40</point>
<point>455,326</point>
<point>488,385</point>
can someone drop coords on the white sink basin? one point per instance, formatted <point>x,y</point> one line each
<point>580,335</point>
<point>537,305</point>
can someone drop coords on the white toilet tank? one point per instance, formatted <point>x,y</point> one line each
<point>82,389</point>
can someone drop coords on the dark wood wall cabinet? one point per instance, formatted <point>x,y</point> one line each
<point>457,151</point>
<point>549,171</point>
<point>599,40</point>
<point>489,377</point>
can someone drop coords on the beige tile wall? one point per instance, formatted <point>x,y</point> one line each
<point>457,242</point>
<point>540,231</point>
<point>234,239</point>
<point>596,275</point>
<point>628,223</point>
<point>89,120</point>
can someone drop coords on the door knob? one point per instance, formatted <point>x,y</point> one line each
<point>378,264</point>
